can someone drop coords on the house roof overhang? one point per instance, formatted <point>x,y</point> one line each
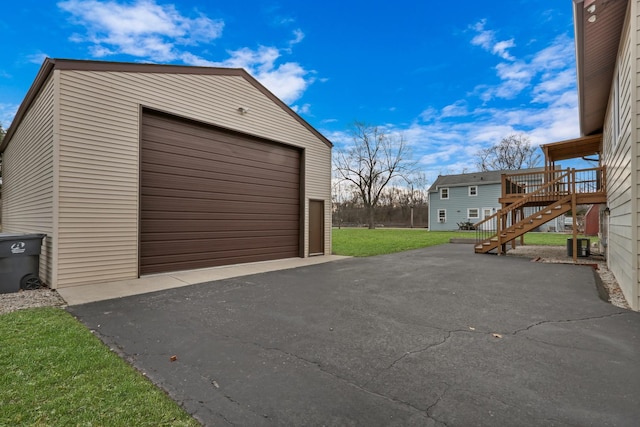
<point>598,27</point>
<point>49,65</point>
<point>573,148</point>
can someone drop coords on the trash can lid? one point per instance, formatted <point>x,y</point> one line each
<point>21,236</point>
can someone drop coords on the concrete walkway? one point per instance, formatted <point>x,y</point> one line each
<point>433,337</point>
<point>156,282</point>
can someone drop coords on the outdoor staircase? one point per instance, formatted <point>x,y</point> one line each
<point>523,226</point>
<point>549,193</point>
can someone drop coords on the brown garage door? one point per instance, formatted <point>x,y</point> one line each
<point>213,197</point>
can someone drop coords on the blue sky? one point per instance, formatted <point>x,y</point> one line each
<point>452,77</point>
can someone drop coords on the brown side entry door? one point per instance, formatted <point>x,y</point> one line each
<point>316,227</point>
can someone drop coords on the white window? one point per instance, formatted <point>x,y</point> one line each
<point>442,215</point>
<point>444,193</point>
<point>473,213</point>
<point>473,190</point>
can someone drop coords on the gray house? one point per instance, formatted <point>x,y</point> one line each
<point>467,197</point>
<point>472,197</point>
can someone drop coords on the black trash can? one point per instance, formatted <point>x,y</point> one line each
<point>584,246</point>
<point>19,261</point>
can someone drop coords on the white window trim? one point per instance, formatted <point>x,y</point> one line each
<point>444,198</point>
<point>469,213</point>
<point>473,186</point>
<point>444,217</point>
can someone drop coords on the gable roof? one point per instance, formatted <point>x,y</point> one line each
<point>49,65</point>
<point>476,178</point>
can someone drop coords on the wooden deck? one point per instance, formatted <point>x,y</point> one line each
<point>533,198</point>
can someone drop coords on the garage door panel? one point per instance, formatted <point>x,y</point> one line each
<point>186,235</point>
<point>257,226</point>
<point>211,197</point>
<point>199,160</point>
<point>209,256</point>
<point>196,217</point>
<point>221,206</point>
<point>216,170</point>
<point>268,196</point>
<point>163,131</point>
<point>221,245</point>
<point>232,149</point>
<point>203,180</point>
<point>233,257</point>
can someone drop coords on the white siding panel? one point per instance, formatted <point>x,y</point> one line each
<point>99,156</point>
<point>28,178</point>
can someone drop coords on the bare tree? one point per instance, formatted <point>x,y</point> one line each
<point>512,152</point>
<point>371,161</point>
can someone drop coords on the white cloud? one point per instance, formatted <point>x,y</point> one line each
<point>428,114</point>
<point>37,58</point>
<point>287,81</point>
<point>500,49</point>
<point>551,84</point>
<point>143,28</point>
<point>486,39</point>
<point>161,33</point>
<point>298,37</point>
<point>457,109</point>
<point>547,72</point>
<point>302,109</point>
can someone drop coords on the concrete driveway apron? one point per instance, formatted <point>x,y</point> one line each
<point>432,337</point>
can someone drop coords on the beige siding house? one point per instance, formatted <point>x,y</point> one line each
<point>608,63</point>
<point>138,168</point>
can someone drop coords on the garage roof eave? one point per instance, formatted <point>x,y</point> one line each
<point>50,64</point>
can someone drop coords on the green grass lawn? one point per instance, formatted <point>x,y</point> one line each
<point>365,242</point>
<point>54,372</point>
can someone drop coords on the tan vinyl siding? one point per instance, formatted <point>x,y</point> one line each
<point>99,156</point>
<point>28,183</point>
<point>635,149</point>
<point>622,250</point>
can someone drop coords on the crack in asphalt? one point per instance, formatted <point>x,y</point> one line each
<point>434,404</point>
<point>338,377</point>
<point>427,413</point>
<point>582,319</point>
<point>409,353</point>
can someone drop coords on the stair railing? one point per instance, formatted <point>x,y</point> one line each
<point>504,218</point>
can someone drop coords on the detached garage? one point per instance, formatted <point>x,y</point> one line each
<point>135,169</point>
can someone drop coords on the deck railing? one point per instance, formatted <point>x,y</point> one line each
<point>582,181</point>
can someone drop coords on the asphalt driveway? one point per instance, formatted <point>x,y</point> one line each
<point>432,337</point>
